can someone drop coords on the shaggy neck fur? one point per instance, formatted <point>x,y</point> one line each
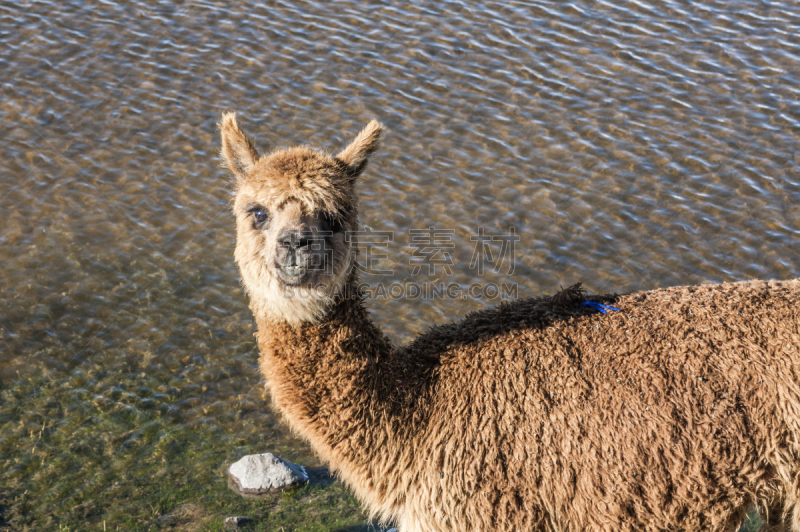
<point>340,385</point>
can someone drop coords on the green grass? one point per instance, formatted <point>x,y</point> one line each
<point>85,452</point>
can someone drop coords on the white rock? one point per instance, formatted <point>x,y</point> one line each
<point>235,523</point>
<point>259,474</point>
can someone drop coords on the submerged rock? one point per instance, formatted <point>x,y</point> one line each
<point>257,475</point>
<point>167,520</point>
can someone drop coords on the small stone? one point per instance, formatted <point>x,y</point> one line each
<point>167,520</point>
<point>235,523</point>
<point>257,475</point>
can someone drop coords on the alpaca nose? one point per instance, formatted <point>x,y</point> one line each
<point>295,239</point>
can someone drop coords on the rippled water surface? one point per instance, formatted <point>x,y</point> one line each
<point>631,145</point>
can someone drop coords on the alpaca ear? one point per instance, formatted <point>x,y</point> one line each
<point>369,140</point>
<point>238,153</point>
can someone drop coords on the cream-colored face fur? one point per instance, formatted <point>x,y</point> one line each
<point>296,216</point>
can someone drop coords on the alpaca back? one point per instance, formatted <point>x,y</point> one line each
<point>561,418</point>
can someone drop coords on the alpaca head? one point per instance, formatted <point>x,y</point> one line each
<point>294,208</point>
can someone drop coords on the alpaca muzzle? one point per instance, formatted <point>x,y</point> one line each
<point>299,253</point>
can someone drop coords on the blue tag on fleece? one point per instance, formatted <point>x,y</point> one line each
<point>598,306</point>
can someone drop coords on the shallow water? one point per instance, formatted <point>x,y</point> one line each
<point>631,145</point>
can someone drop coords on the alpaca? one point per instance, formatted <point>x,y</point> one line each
<point>678,412</point>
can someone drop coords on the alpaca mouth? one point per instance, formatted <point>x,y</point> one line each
<point>292,275</point>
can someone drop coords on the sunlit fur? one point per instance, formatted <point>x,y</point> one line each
<point>678,412</point>
<point>295,185</point>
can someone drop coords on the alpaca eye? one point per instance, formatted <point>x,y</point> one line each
<point>259,215</point>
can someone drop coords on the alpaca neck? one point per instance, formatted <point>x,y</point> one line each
<point>338,386</point>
